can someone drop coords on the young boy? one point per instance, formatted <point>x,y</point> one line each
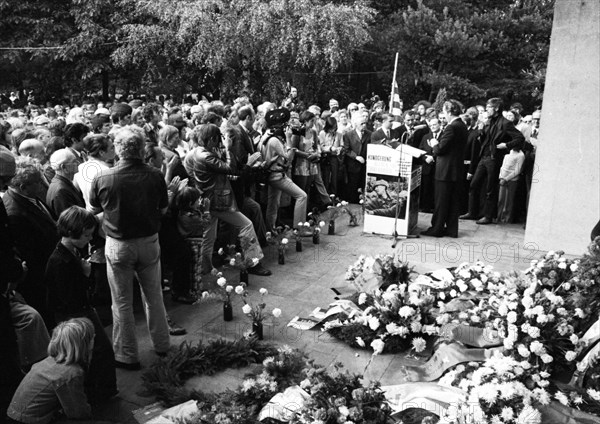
<point>68,284</point>
<point>509,179</point>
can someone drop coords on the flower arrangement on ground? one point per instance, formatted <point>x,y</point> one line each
<point>378,271</point>
<point>391,320</point>
<point>340,397</point>
<point>333,395</point>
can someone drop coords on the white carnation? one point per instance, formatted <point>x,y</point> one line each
<point>263,291</point>
<point>246,309</point>
<point>222,282</point>
<point>377,346</point>
<point>570,355</point>
<point>276,312</point>
<point>362,298</point>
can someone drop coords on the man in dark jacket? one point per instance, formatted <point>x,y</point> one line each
<point>62,194</point>
<point>33,227</point>
<point>11,272</point>
<point>498,137</point>
<point>449,157</point>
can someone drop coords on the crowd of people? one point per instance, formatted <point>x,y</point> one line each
<point>99,196</point>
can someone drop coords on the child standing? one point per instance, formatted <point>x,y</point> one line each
<point>509,179</point>
<point>68,283</point>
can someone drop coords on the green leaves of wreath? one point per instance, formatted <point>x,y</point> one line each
<point>166,378</point>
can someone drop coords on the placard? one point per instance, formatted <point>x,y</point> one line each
<point>391,200</point>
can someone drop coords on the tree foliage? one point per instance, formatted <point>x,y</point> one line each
<point>344,48</point>
<point>254,45</point>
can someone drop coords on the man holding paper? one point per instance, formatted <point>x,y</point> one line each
<point>449,153</point>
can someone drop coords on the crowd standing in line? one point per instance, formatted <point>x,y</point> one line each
<point>98,196</point>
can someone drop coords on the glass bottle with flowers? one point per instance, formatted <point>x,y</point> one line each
<point>237,260</point>
<point>224,294</point>
<point>281,250</point>
<point>338,208</point>
<point>317,232</point>
<point>256,312</point>
<point>298,238</point>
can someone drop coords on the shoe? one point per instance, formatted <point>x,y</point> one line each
<point>129,366</point>
<point>468,216</point>
<point>430,233</point>
<point>186,299</point>
<point>174,329</point>
<point>259,270</point>
<point>484,221</point>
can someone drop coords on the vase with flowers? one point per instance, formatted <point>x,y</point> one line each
<point>338,208</point>
<point>256,312</point>
<point>317,232</point>
<point>223,293</point>
<point>298,240</point>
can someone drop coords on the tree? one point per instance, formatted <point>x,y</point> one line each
<point>254,46</point>
<point>473,48</point>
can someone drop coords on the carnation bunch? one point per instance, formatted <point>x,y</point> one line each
<point>223,291</point>
<point>255,312</point>
<point>235,258</point>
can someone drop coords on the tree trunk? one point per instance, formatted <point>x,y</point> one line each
<point>105,84</point>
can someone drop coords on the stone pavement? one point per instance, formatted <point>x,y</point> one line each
<point>304,283</point>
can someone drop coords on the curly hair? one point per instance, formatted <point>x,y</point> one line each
<point>129,142</point>
<point>28,172</point>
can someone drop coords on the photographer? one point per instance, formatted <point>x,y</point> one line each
<point>308,157</point>
<point>278,159</point>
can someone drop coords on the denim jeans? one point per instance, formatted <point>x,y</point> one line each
<point>246,233</point>
<point>124,259</point>
<point>285,185</point>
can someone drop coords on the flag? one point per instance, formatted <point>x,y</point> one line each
<point>395,106</point>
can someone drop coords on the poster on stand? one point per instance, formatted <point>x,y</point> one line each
<point>392,181</point>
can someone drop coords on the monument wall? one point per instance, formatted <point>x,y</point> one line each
<point>564,202</point>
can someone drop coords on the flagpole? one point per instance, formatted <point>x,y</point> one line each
<point>393,81</point>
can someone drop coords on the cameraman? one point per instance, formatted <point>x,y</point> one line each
<point>278,158</point>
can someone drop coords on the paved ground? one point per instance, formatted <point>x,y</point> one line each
<point>304,283</point>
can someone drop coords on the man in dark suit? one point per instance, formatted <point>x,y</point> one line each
<point>243,187</point>
<point>62,194</point>
<point>33,227</point>
<point>449,156</point>
<point>355,151</point>
<point>498,137</point>
<point>386,135</point>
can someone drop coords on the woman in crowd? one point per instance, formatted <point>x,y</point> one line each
<point>331,147</point>
<point>54,388</point>
<point>343,121</point>
<point>101,155</point>
<point>211,167</point>
<point>169,141</point>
